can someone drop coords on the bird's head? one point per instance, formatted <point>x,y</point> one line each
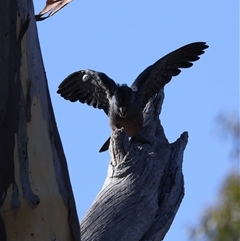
<point>122,100</point>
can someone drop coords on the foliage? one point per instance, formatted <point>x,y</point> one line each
<point>229,128</point>
<point>221,222</point>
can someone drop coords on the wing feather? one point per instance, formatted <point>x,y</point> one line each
<point>156,76</point>
<point>88,86</point>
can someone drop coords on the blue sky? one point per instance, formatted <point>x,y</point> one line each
<point>122,39</point>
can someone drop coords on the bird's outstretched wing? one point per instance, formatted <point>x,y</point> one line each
<point>88,86</point>
<point>154,77</point>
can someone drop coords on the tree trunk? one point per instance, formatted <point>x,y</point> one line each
<point>36,199</point>
<point>144,187</point>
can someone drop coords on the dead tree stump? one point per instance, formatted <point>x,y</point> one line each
<point>144,187</point>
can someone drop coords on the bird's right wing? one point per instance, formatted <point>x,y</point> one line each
<point>88,86</point>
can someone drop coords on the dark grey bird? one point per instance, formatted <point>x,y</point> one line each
<point>123,104</point>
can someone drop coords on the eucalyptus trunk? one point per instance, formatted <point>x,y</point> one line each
<point>36,199</point>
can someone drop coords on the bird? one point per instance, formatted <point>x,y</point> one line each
<point>123,104</point>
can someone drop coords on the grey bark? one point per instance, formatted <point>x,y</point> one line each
<point>144,186</point>
<point>36,199</point>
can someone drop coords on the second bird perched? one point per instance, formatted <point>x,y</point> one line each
<point>123,104</point>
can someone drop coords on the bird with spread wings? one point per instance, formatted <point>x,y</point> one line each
<point>124,104</point>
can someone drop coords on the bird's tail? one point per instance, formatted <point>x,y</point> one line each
<point>105,146</point>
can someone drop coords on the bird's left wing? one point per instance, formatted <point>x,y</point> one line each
<point>156,76</point>
<point>88,86</point>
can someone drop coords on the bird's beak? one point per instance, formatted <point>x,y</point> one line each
<point>122,110</point>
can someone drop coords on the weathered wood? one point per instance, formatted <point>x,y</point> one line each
<point>144,187</point>
<point>36,199</point>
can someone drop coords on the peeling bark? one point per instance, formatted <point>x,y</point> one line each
<point>36,199</point>
<point>144,187</point>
